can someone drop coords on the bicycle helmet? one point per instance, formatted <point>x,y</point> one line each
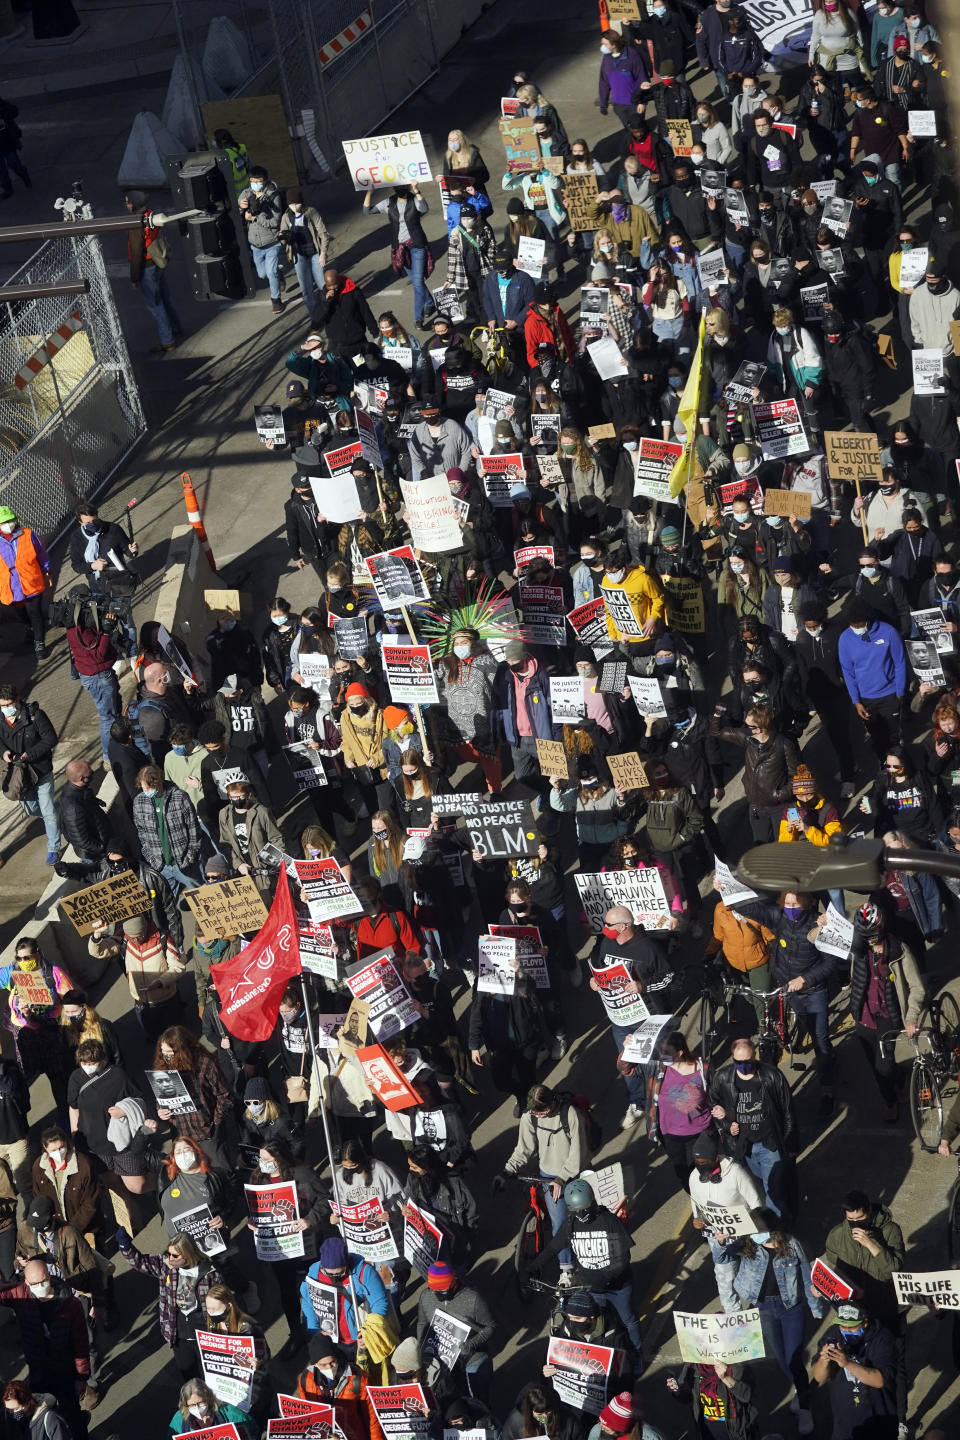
<point>578,1195</point>
<point>868,919</point>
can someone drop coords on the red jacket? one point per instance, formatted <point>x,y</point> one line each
<point>93,653</point>
<point>537,331</point>
<point>390,930</point>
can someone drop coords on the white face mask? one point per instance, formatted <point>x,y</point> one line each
<point>741,517</point>
<point>185,1159</point>
<point>736,566</point>
<point>615,576</point>
<point>89,1069</point>
<point>8,527</point>
<point>57,1156</point>
<point>269,1167</point>
<point>860,630</point>
<point>43,1290</point>
<point>462,652</point>
<point>200,1408</point>
<point>454,147</point>
<point>743,468</point>
<point>9,711</point>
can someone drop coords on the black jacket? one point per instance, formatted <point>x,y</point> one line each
<point>346,317</point>
<point>850,365</point>
<point>777,1105</point>
<point>110,537</point>
<point>83,823</point>
<point>601,1250</point>
<point>304,530</point>
<point>505,1022</point>
<point>791,953</point>
<point>233,652</point>
<point>818,656</point>
<point>31,736</point>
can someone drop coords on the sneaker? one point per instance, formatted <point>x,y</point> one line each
<point>52,857</point>
<point>804,1422</point>
<point>277,307</point>
<point>903,1431</point>
<point>576,974</point>
<point>90,1399</point>
<point>119,666</point>
<point>559,1047</point>
<point>847,790</point>
<point>40,650</point>
<point>632,1116</point>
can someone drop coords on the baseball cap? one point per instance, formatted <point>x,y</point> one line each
<point>296,390</point>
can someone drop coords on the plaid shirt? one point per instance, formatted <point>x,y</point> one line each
<point>159,1267</point>
<point>181,821</point>
<point>211,1097</point>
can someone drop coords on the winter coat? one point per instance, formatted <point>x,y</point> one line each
<point>873,1274</point>
<point>930,317</point>
<point>768,766</point>
<point>519,297</point>
<point>71,1254</point>
<point>466,1304</point>
<point>646,597</point>
<point>555,332</point>
<point>53,1333</point>
<point>75,1190</point>
<point>346,317</point>
<point>537,700</point>
<point>362,739</point>
<point>264,229</point>
<point>556,1144</point>
<point>506,1022</point>
<point>792,1273</point>
<point>791,952</point>
<point>806,362</point>
<point>743,943</point>
<point>367,1287</point>
<point>181,822</point>
<point>673,821</point>
<point>903,988</point>
<point>310,221</point>
<point>83,822</point>
<point>619,77</point>
<point>261,831</point>
<point>777,1107</point>
<point>599,819</point>
<point>31,737</point>
<point>482,242</point>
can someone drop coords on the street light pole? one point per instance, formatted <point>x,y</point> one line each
<point>844,864</point>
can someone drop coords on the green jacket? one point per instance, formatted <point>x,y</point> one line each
<point>873,1274</point>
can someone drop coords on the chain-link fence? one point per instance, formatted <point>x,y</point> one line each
<point>70,409</point>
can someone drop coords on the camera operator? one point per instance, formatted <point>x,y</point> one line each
<point>102,554</point>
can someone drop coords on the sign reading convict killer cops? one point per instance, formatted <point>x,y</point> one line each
<point>107,902</point>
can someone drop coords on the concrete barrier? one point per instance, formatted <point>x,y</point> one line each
<point>226,56</point>
<point>144,158</point>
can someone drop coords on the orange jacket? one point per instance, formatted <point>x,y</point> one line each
<point>27,563</point>
<point>743,942</point>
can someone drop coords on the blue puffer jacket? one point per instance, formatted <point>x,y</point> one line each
<point>793,1278</point>
<point>367,1285</point>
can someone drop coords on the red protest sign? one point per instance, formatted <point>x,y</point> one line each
<point>829,1283</point>
<point>391,1088</point>
<point>213,1432</point>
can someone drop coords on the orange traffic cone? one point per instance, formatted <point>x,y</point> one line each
<point>193,515</point>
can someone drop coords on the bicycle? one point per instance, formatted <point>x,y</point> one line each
<point>531,1238</point>
<point>934,1071</point>
<point>715,996</point>
<point>780,1028</point>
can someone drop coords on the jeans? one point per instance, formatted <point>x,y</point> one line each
<point>557,1210</point>
<point>478,1369</point>
<point>40,801</point>
<point>783,1327</point>
<point>637,1082</point>
<point>177,879</point>
<point>266,262</point>
<point>156,295</point>
<point>892,172</point>
<point>767,1165</point>
<point>415,273</point>
<point>621,1301</point>
<point>310,277</point>
<point>725,1269</point>
<point>812,1009</point>
<point>104,691</point>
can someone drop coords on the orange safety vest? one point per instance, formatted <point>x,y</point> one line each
<point>27,566</point>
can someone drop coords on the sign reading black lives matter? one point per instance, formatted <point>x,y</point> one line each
<point>498,829</point>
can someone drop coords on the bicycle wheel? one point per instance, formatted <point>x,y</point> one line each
<point>769,1048</point>
<point>528,1245</point>
<point>708,1035</point>
<point>947,1016</point>
<point>926,1105</point>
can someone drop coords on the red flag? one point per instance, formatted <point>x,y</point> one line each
<point>252,984</point>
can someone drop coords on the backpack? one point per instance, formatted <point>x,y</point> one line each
<point>131,712</point>
<point>585,1106</point>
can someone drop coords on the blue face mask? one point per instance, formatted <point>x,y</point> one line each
<point>793,912</point>
<point>663,659</point>
<point>179,749</point>
<point>761,1237</point>
<point>747,1067</point>
<point>871,179</point>
<point>852,1334</point>
<point>150,794</point>
<point>229,624</point>
<point>774,521</point>
<point>280,619</point>
<point>783,329</point>
<point>675,381</point>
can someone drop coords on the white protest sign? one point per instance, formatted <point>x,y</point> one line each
<point>932,625</point>
<point>712,267</point>
<point>530,255</point>
<point>647,695</point>
<point>431,516</point>
<point>380,160</point>
<point>640,890</point>
<point>639,1047</point>
<point>922,123</point>
<point>730,1338</point>
<point>939,1287</point>
<point>726,1222</point>
<point>495,969</point>
<point>568,705</point>
<point>732,890</point>
<point>925,661</point>
<point>835,935</point>
<point>269,422</point>
<point>927,372</point>
<point>336,497</point>
<point>607,359</point>
<point>913,266</point>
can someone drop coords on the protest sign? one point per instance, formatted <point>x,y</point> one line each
<point>397,578</point>
<point>568,704</point>
<point>613,677</point>
<point>621,612</point>
<point>832,262</point>
<point>336,495</point>
<point>735,204</point>
<point>929,1287</point>
<point>356,1028</point>
<point>314,670</point>
<point>231,907</point>
<point>303,1427</point>
<point>32,990</point>
<point>729,1338</point>
<point>607,358</point>
<point>589,623</point>
<point>325,1302</point>
<point>713,182</point>
<point>197,1224</point>
<point>639,1048</point>
<point>391,1088</point>
<point>106,903</point>
<point>547,423</point>
<point>835,934</point>
<point>623,1007</point>
<point>780,429</point>
<point>647,695</point>
<point>686,610</point>
<point>582,1372</point>
<point>823,189</point>
<point>379,985</point>
<point>732,890</point>
<point>712,268</point>
<point>409,673</point>
<point>445,1338</point>
<point>813,298</point>
<point>325,891</point>
<point>594,304</point>
<point>623,10</point>
<point>787,503</point>
<point>496,971</point>
<point>170,1091</point>
<point>366,1229</point>
<point>498,403</point>
<point>431,517</point>
<point>499,473</point>
<point>528,553</point>
<point>913,266</point>
<point>306,765</point>
<point>725,1222</point>
<point>680,136</point>
<point>228,1364</point>
<point>836,215</point>
<point>628,771</point>
<point>852,455</point>
<point>640,890</point>
<point>325,1025</point>
<point>498,829</point>
<point>653,462</point>
<point>932,625</point>
<point>745,488</point>
<point>520,144</point>
<point>212,1432</point>
<point>925,661</point>
<point>269,422</point>
<point>580,196</point>
<point>922,124</point>
<point>530,255</point>
<point>381,160</point>
<point>529,950</point>
<point>350,635</point>
<point>422,1238</point>
<point>552,757</point>
<point>292,1407</point>
<point>748,378</point>
<point>927,372</point>
<point>829,1283</point>
<point>274,1211</point>
<point>608,1185</point>
<point>544,622</point>
<point>401,1410</point>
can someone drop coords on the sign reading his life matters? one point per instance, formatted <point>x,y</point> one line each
<point>409,672</point>
<point>106,903</point>
<point>640,890</point>
<point>382,160</point>
<point>930,1287</point>
<point>397,578</point>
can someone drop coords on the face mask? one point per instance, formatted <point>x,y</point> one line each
<point>585,672</point>
<point>749,94</point>
<point>793,912</point>
<point>568,449</point>
<point>9,711</point>
<point>663,660</point>
<point>914,22</point>
<point>7,528</point>
<point>743,467</point>
<point>783,329</point>
<point>288,1016</point>
<point>871,179</point>
<point>761,1237</point>
<point>89,1069</point>
<point>860,630</point>
<point>615,576</point>
<point>201,1408</point>
<point>269,1167</point>
<point>859,104</point>
<point>695,158</point>
<point>612,932</point>
<point>185,1159</point>
<point>815,634</point>
<point>454,147</point>
<point>703,117</point>
<point>42,1291</point>
<point>256,1107</point>
<point>746,1067</point>
<point>179,749</point>
<point>629,444</point>
<point>675,381</point>
<point>774,521</point>
<point>736,566</point>
<point>462,652</point>
<point>256,186</point>
<point>868,571</point>
<point>926,59</point>
<point>57,1156</point>
<point>90,529</point>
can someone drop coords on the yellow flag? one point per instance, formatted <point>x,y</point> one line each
<point>689,416</point>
